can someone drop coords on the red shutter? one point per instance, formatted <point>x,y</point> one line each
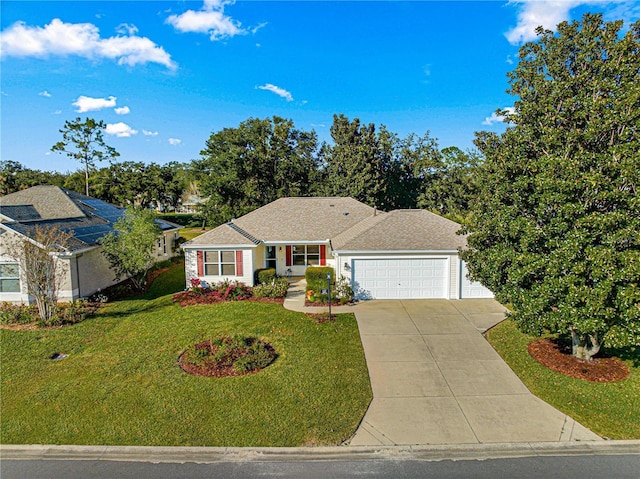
<point>323,255</point>
<point>200,256</point>
<point>289,259</point>
<point>238,263</point>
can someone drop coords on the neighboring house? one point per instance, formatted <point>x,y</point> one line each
<point>89,219</point>
<point>400,254</point>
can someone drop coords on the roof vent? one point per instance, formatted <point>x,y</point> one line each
<point>346,213</point>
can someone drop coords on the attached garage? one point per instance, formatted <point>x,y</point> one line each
<point>471,289</point>
<point>406,278</point>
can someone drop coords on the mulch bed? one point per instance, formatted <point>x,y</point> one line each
<point>326,305</point>
<point>558,357</point>
<point>208,299</point>
<point>214,369</point>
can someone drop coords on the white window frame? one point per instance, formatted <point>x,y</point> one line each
<point>215,258</point>
<point>305,254</point>
<point>11,278</point>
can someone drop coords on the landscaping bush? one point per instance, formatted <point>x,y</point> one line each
<point>18,314</point>
<point>276,288</point>
<point>344,291</point>
<point>316,277</point>
<point>265,275</point>
<point>217,356</point>
<point>64,313</point>
<point>200,293</point>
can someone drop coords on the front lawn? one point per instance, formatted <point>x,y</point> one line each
<point>608,409</point>
<point>121,383</point>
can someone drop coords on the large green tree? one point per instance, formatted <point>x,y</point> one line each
<point>253,164</point>
<point>555,230</point>
<point>453,184</point>
<point>378,168</point>
<point>83,141</point>
<point>130,247</point>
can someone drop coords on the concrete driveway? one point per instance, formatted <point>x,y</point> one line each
<point>436,380</point>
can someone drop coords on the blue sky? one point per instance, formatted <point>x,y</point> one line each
<point>164,75</point>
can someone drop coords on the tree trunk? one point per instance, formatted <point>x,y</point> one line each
<point>584,346</point>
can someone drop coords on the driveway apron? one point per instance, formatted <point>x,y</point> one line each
<point>436,380</point>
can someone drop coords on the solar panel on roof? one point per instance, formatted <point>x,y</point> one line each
<point>104,210</point>
<point>91,234</point>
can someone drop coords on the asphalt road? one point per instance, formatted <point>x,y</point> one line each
<point>559,467</point>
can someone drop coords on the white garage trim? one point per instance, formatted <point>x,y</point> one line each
<point>471,289</point>
<point>392,277</point>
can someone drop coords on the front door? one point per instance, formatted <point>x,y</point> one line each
<point>270,259</point>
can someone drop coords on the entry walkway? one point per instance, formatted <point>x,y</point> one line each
<point>436,380</point>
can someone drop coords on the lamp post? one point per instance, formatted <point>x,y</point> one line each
<point>329,292</point>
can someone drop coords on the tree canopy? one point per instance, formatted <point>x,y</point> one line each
<point>130,247</point>
<point>83,141</point>
<point>554,230</point>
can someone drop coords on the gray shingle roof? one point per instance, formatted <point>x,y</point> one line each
<point>401,230</point>
<point>297,219</point>
<point>89,219</point>
<point>349,224</point>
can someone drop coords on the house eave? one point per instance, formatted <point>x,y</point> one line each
<point>397,251</point>
<point>186,246</point>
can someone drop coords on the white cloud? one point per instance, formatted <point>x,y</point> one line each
<point>174,141</point>
<point>86,103</point>
<point>497,118</point>
<point>121,130</point>
<point>127,29</point>
<point>149,133</point>
<point>122,110</point>
<point>57,112</point>
<point>210,20</point>
<point>281,92</point>
<point>545,13</point>
<point>81,39</point>
<point>45,93</point>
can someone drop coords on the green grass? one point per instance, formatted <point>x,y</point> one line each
<point>121,383</point>
<point>190,233</point>
<point>608,409</point>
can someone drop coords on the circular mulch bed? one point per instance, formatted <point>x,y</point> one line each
<point>558,357</point>
<point>220,369</point>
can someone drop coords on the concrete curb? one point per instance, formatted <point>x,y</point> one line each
<point>162,454</point>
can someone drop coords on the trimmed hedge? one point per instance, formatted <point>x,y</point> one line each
<point>265,275</point>
<point>316,277</point>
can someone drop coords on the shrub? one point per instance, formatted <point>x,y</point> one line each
<point>265,275</point>
<point>277,288</point>
<point>215,293</point>
<point>63,313</point>
<point>343,289</point>
<point>316,277</point>
<point>238,352</point>
<point>18,314</point>
<point>72,313</point>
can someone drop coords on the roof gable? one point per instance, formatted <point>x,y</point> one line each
<point>39,203</point>
<point>89,219</point>
<point>296,219</point>
<point>402,230</point>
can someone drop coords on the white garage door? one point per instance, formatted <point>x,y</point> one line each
<point>471,289</point>
<point>400,278</point>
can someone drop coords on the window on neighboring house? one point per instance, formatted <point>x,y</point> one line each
<point>220,263</point>
<point>164,244</point>
<point>305,255</point>
<point>9,278</point>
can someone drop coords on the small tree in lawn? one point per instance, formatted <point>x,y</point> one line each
<point>555,229</point>
<point>82,141</point>
<point>130,247</point>
<point>40,266</point>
